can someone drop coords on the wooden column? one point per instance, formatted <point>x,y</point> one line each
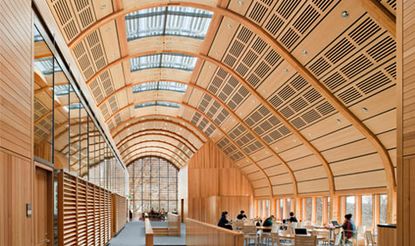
<point>16,123</point>
<point>325,210</point>
<point>406,122</point>
<point>313,210</point>
<point>358,210</point>
<point>336,207</point>
<point>273,208</point>
<point>376,209</point>
<point>284,208</point>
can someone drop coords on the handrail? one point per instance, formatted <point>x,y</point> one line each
<point>201,233</point>
<point>149,232</point>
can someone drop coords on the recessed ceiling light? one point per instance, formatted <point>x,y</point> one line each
<point>229,25</point>
<point>286,70</point>
<point>364,109</point>
<point>240,2</point>
<point>339,121</point>
<point>345,14</point>
<point>305,52</point>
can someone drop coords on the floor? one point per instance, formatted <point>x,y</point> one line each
<point>133,235</point>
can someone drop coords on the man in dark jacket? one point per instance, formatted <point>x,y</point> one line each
<point>224,222</point>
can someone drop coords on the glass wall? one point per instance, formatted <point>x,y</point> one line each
<point>66,137</point>
<point>153,185</point>
<point>367,211</point>
<point>351,205</point>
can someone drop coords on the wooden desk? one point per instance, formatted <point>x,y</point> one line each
<point>386,235</point>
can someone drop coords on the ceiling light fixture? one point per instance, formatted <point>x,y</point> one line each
<point>305,52</point>
<point>364,109</point>
<point>240,2</point>
<point>345,14</point>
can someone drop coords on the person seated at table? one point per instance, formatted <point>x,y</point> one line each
<point>268,223</point>
<point>224,222</point>
<point>292,218</point>
<point>241,216</point>
<point>348,227</point>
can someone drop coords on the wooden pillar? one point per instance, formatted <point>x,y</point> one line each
<point>325,210</point>
<point>16,123</point>
<point>336,207</point>
<point>406,131</point>
<point>273,208</point>
<point>313,210</point>
<point>358,210</point>
<point>284,208</point>
<point>376,209</point>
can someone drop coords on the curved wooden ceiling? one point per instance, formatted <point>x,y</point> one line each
<point>297,93</point>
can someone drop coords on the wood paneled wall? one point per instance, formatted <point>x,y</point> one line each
<point>215,185</point>
<point>16,143</point>
<point>119,213</point>
<point>406,123</point>
<point>199,233</point>
<point>84,212</point>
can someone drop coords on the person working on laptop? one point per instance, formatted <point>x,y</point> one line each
<point>241,216</point>
<point>268,223</point>
<point>348,227</point>
<point>292,218</point>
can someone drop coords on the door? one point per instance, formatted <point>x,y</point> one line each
<point>42,210</point>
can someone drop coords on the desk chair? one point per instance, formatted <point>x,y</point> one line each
<point>250,233</point>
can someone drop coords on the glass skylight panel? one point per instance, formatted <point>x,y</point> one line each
<point>167,60</point>
<point>158,103</point>
<point>45,65</point>
<point>61,90</point>
<point>37,36</point>
<point>172,20</point>
<point>73,106</point>
<point>160,85</point>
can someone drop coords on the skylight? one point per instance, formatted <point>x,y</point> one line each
<point>163,60</point>
<point>37,36</point>
<point>73,106</point>
<point>160,85</point>
<point>158,103</point>
<point>61,90</point>
<point>172,20</point>
<point>46,67</point>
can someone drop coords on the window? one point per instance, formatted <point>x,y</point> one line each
<point>288,209</point>
<point>153,184</point>
<point>383,208</point>
<point>319,210</point>
<point>47,65</point>
<point>171,20</point>
<point>160,85</point>
<point>367,211</point>
<point>158,103</point>
<point>351,205</point>
<point>308,208</point>
<point>163,60</point>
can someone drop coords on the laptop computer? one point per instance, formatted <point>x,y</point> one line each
<point>335,223</point>
<point>300,231</point>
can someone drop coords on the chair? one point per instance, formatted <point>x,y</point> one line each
<point>250,233</point>
<point>369,239</point>
<point>324,236</point>
<point>305,240</point>
<point>275,238</point>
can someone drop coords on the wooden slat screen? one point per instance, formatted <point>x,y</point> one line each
<point>84,212</point>
<point>119,213</point>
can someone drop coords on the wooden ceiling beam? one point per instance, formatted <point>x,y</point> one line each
<point>161,132</point>
<point>385,18</point>
<point>287,56</point>
<point>156,141</point>
<point>181,120</point>
<point>163,155</point>
<point>156,147</point>
<point>233,142</point>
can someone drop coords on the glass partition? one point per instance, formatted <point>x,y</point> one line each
<point>66,136</point>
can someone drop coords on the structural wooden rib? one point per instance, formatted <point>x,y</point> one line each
<point>287,56</point>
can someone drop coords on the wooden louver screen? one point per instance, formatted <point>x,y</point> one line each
<point>84,212</point>
<point>119,213</point>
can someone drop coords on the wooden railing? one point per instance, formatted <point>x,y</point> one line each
<point>387,235</point>
<point>200,233</point>
<point>149,232</point>
<point>174,224</point>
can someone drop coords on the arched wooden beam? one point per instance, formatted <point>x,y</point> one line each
<point>319,156</point>
<point>153,141</point>
<point>381,15</point>
<point>162,120</point>
<point>158,132</point>
<point>156,147</point>
<point>260,98</point>
<point>286,55</point>
<point>163,155</point>
<point>126,87</point>
<point>234,143</point>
